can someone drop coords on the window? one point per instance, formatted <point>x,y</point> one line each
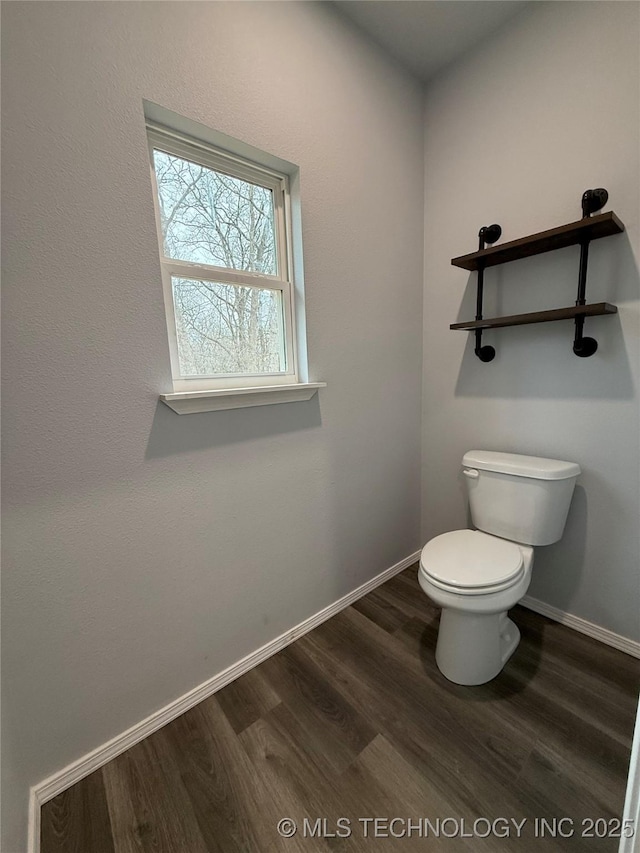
<point>224,229</point>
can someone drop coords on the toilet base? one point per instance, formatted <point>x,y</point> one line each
<point>474,647</point>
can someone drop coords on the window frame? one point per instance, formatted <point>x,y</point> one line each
<point>220,160</point>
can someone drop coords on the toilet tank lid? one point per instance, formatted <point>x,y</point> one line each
<point>520,466</point>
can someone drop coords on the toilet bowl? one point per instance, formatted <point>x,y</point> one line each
<point>476,576</point>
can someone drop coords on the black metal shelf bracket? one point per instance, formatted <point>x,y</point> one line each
<point>592,201</point>
<point>487,234</point>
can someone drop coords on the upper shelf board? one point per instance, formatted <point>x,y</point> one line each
<point>590,228</point>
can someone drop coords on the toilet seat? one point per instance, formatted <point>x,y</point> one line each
<point>470,562</point>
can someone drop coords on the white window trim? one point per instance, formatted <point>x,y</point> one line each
<point>192,402</point>
<point>198,394</point>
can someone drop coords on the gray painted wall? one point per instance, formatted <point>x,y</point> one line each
<point>145,552</point>
<point>514,134</point>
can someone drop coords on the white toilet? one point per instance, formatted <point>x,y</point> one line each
<point>516,502</point>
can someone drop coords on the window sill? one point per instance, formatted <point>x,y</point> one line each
<point>191,402</point>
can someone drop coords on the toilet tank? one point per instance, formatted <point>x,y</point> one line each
<point>522,498</point>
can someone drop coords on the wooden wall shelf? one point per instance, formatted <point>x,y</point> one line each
<point>594,310</point>
<point>592,228</point>
<point>579,233</point>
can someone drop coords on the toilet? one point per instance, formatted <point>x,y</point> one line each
<point>517,502</point>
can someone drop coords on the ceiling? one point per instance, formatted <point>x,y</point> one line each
<point>426,35</point>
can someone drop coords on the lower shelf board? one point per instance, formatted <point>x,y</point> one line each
<point>593,310</point>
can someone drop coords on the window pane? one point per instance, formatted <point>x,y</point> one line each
<point>211,218</point>
<point>227,328</point>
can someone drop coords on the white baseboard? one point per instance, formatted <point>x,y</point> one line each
<point>631,647</point>
<point>68,776</point>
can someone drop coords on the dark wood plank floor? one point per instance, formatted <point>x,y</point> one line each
<point>355,721</point>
